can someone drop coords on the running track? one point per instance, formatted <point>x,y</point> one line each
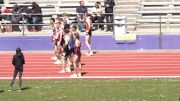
<point>101,65</point>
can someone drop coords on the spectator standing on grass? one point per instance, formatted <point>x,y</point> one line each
<point>18,61</point>
<point>81,15</point>
<point>98,16</point>
<point>109,4</point>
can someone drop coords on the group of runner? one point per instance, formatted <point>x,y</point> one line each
<point>67,44</point>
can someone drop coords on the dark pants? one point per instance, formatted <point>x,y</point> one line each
<point>15,27</point>
<point>1,16</point>
<point>16,71</point>
<point>35,20</point>
<point>109,19</point>
<point>81,25</point>
<point>29,21</point>
<point>98,19</point>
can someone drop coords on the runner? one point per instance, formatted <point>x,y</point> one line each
<point>52,24</point>
<point>88,34</point>
<point>65,52</point>
<point>58,39</point>
<point>77,57</point>
<point>71,46</point>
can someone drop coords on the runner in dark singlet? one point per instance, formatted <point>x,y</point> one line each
<point>77,57</point>
<point>65,52</point>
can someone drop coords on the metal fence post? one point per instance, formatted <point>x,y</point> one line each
<point>23,26</point>
<point>160,32</point>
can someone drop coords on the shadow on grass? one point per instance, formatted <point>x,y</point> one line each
<point>25,88</point>
<point>1,91</point>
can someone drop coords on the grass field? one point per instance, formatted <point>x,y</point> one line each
<point>93,90</point>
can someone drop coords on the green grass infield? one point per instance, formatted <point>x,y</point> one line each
<point>93,90</point>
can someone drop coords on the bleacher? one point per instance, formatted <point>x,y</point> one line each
<point>150,12</point>
<point>53,7</point>
<point>142,15</point>
<point>129,9</point>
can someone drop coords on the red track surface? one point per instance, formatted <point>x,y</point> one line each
<point>114,64</point>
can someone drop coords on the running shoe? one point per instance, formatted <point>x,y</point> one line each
<point>19,90</point>
<point>68,69</point>
<point>62,71</point>
<point>58,62</point>
<point>74,76</point>
<point>90,53</point>
<point>86,53</point>
<point>54,58</point>
<point>79,75</point>
<point>72,68</point>
<point>10,89</point>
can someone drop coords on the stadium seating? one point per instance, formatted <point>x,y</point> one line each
<point>50,7</point>
<point>149,13</point>
<point>142,15</point>
<point>129,9</point>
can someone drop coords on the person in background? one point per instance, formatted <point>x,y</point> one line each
<point>1,4</point>
<point>16,17</point>
<point>18,61</point>
<point>7,17</point>
<point>109,4</point>
<point>27,18</point>
<point>36,17</point>
<point>66,21</point>
<point>98,16</point>
<point>6,10</point>
<point>66,18</point>
<point>81,14</point>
